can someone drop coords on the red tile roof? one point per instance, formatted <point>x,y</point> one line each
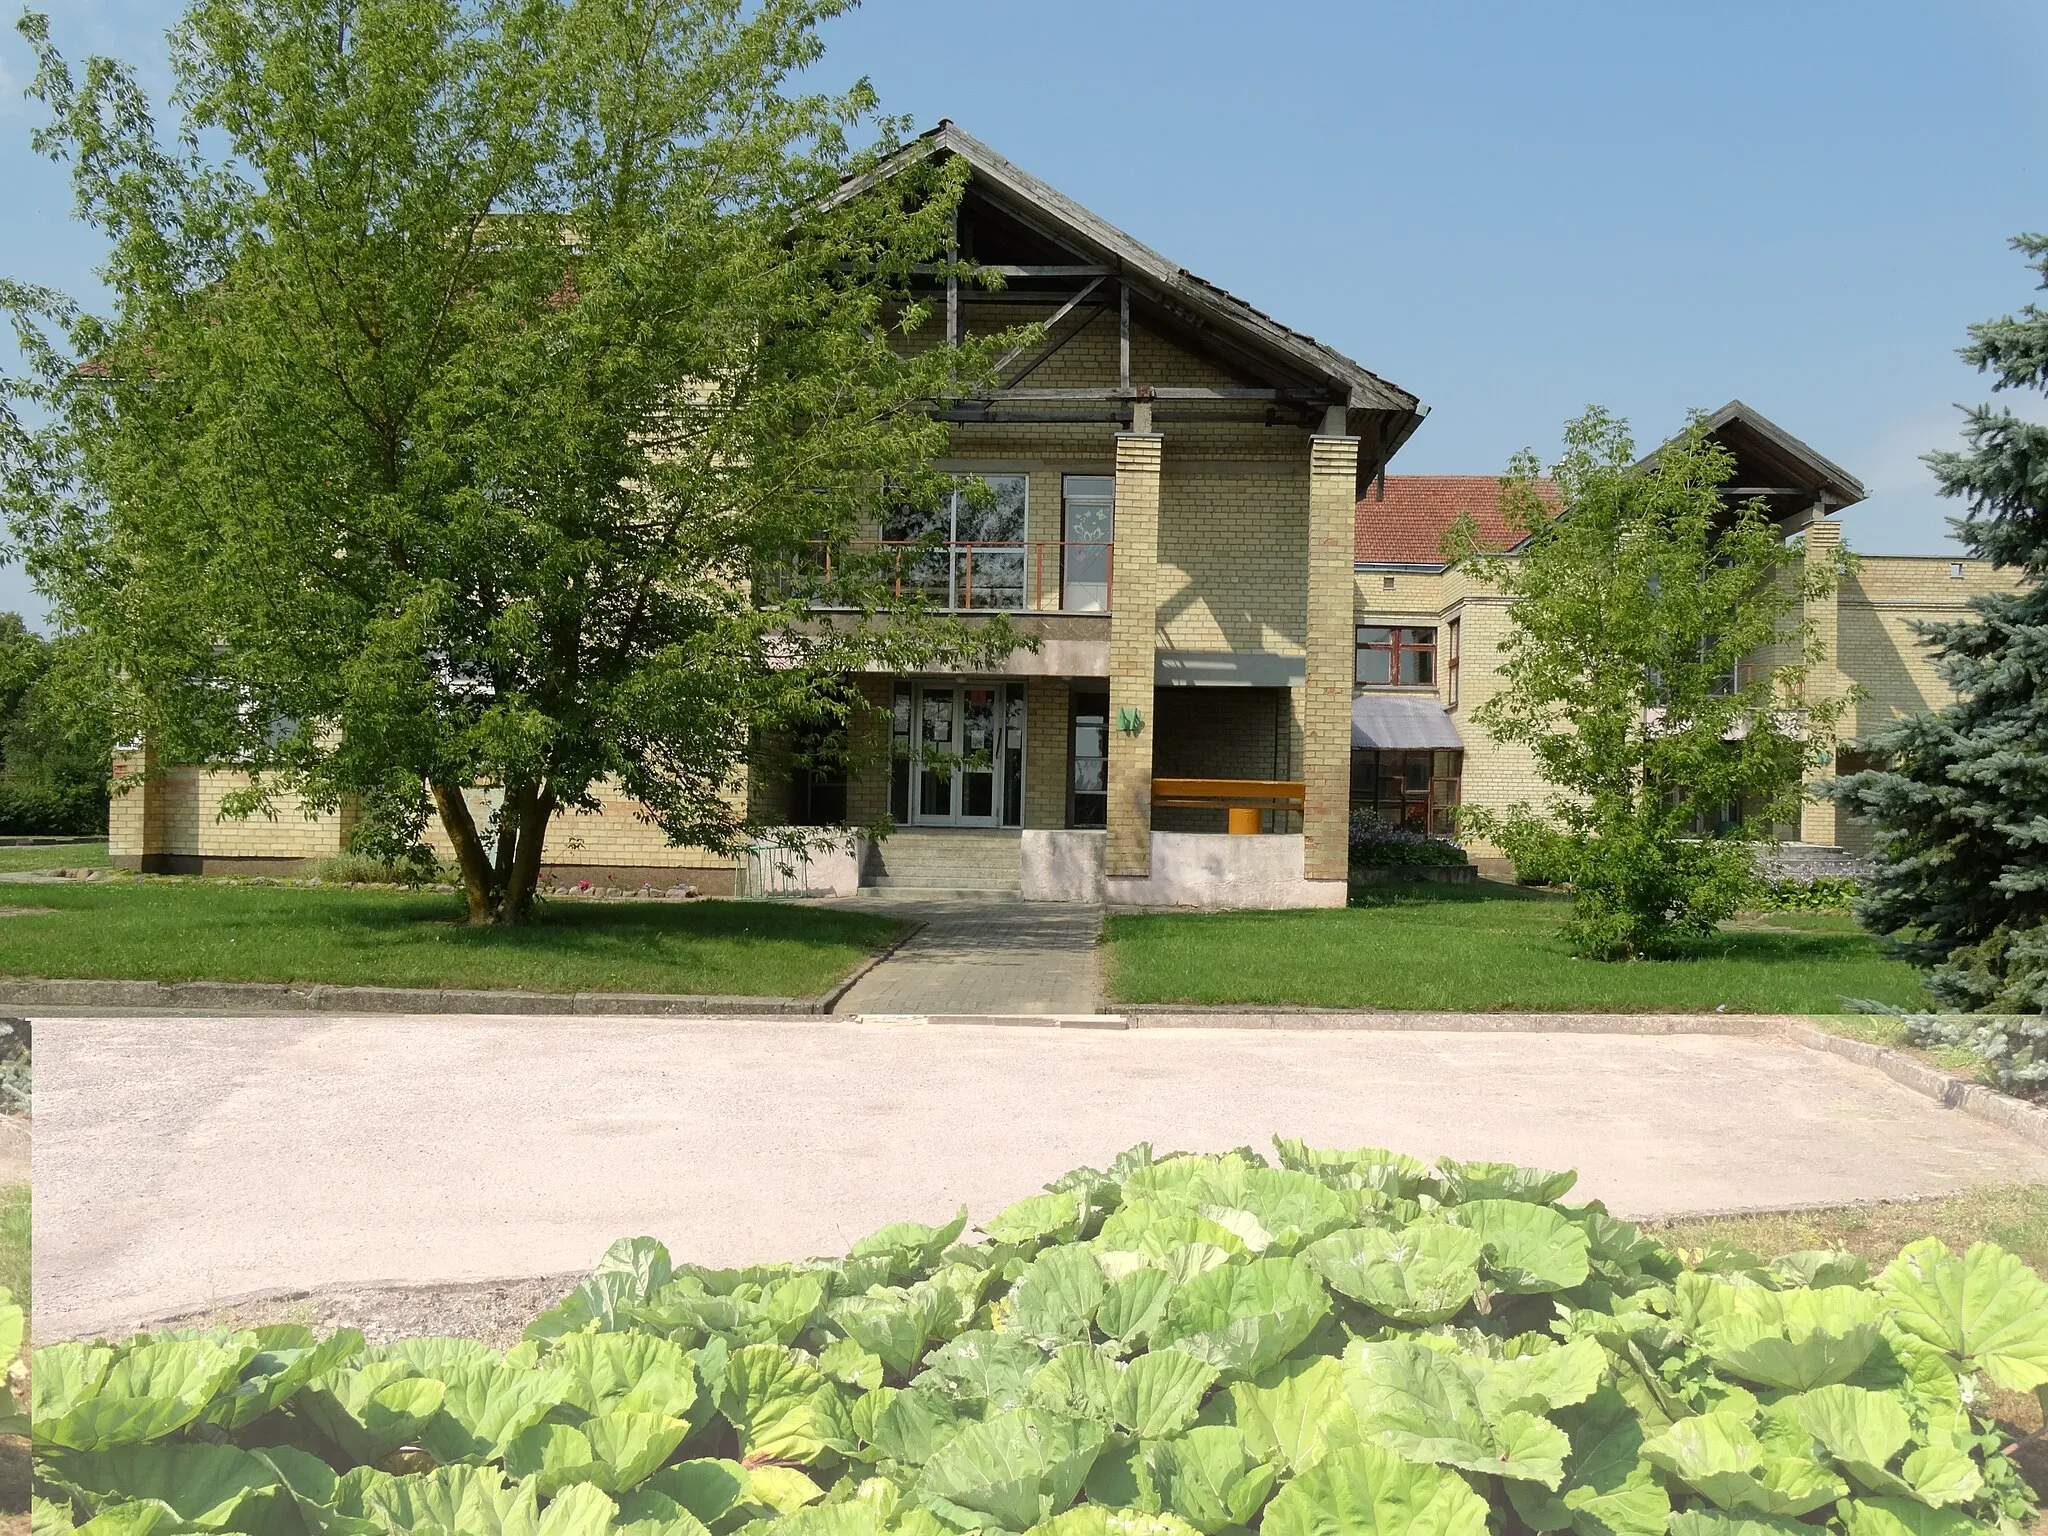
<point>1407,528</point>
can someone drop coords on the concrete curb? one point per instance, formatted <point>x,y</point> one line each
<point>1168,1016</point>
<point>246,997</point>
<point>1951,1092</point>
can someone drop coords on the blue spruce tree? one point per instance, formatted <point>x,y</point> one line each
<point>1959,797</point>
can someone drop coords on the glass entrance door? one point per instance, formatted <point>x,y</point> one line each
<point>969,754</point>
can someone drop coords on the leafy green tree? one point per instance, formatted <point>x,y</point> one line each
<point>1654,669</point>
<point>1959,797</point>
<point>477,377</point>
<point>53,758</point>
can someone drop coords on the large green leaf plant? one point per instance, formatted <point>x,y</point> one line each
<point>1349,1341</point>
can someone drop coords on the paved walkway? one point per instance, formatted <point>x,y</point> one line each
<point>184,1162</point>
<point>982,954</point>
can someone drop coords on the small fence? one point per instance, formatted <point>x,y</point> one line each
<point>995,576</point>
<point>771,872</point>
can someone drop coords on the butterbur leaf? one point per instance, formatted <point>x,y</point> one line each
<point>136,1396</point>
<point>430,1356</point>
<point>1056,1296</point>
<point>1719,1455</point>
<point>1607,1490</point>
<point>1856,1426</point>
<point>783,1489</point>
<point>984,1367</point>
<point>1423,1273</point>
<point>709,1489</point>
<point>213,1485</point>
<point>1100,1520</point>
<point>583,1510</point>
<point>1159,1394</point>
<point>1393,1173</point>
<point>1422,1405</point>
<point>1209,1479</point>
<point>1276,1209</point>
<point>1819,1268</point>
<point>850,1365</point>
<point>1365,1491</point>
<point>1011,1471</point>
<point>1792,1340</point>
<point>632,1372</point>
<point>911,1246</point>
<point>631,1445</point>
<point>782,1406</point>
<point>1242,1318</point>
<point>641,1263</point>
<point>487,1406</point>
<point>1708,1522</point>
<point>1529,1248</point>
<point>1467,1182</point>
<point>1053,1218</point>
<point>277,1374</point>
<point>372,1410</point>
<point>555,1456</point>
<point>1133,1306</point>
<point>912,1424</point>
<point>1904,1517</point>
<point>1289,1413</point>
<point>1985,1309</point>
<point>462,1501</point>
<point>1547,1379</point>
<point>1082,1383</point>
<point>894,1324</point>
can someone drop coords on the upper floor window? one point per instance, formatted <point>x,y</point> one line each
<point>1451,664</point>
<point>1396,656</point>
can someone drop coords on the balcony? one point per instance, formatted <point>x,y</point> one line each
<point>1010,576</point>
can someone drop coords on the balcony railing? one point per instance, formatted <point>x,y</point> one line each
<point>986,576</point>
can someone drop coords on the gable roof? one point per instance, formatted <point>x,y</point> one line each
<point>1191,301</point>
<point>1407,525</point>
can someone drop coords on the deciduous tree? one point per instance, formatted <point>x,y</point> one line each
<point>476,376</point>
<point>1654,668</point>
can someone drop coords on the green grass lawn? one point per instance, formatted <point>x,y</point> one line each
<point>203,930</point>
<point>1475,948</point>
<point>53,856</point>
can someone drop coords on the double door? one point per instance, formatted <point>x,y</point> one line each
<point>967,757</point>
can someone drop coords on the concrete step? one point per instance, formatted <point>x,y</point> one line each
<point>935,861</point>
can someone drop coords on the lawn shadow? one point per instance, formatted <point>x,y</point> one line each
<point>595,926</point>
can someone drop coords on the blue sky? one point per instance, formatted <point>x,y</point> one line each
<point>1512,209</point>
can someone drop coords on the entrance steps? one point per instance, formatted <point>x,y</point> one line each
<point>944,859</point>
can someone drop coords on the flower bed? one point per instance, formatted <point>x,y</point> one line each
<point>1350,1341</point>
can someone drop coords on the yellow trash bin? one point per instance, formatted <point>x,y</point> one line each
<point>1244,820</point>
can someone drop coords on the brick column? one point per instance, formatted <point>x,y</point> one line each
<point>135,813</point>
<point>1819,820</point>
<point>1326,694</point>
<point>1133,599</point>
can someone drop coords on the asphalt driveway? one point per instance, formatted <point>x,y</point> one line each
<point>185,1162</point>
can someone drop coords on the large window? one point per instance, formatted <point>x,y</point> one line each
<point>1396,657</point>
<point>1408,789</point>
<point>977,530</point>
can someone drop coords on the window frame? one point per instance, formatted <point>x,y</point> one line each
<point>1395,647</point>
<point>1450,647</point>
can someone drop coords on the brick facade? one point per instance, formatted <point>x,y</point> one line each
<point>1131,652</point>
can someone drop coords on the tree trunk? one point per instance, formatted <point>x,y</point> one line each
<point>479,886</point>
<point>534,816</point>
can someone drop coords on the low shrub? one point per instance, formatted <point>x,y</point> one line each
<point>2012,1049</point>
<point>366,869</point>
<point>1823,893</point>
<point>1353,1341</point>
<point>1375,845</point>
<point>1542,855</point>
<point>32,810</point>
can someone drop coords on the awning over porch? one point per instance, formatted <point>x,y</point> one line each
<point>1392,722</point>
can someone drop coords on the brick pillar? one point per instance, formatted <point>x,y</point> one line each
<point>1134,589</point>
<point>135,814</point>
<point>1326,694</point>
<point>1819,820</point>
<point>867,788</point>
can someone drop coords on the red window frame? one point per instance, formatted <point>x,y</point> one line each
<point>1396,645</point>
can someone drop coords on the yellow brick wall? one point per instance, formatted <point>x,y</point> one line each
<point>1131,650</point>
<point>1045,752</point>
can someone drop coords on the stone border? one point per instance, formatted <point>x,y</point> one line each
<point>25,994</point>
<point>1169,1016</point>
<point>1951,1092</point>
